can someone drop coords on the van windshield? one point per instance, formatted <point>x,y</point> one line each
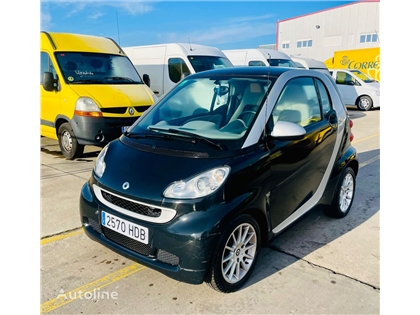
<point>203,63</point>
<point>362,76</point>
<point>96,68</point>
<point>282,63</point>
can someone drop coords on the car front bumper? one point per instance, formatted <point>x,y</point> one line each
<point>181,249</point>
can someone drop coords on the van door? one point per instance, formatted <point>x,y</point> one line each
<point>347,85</point>
<point>50,100</point>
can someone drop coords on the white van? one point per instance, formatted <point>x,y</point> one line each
<point>357,89</point>
<point>167,64</point>
<point>259,57</point>
<point>309,63</point>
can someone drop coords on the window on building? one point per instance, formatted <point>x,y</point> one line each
<point>304,43</point>
<point>368,38</point>
<point>285,45</point>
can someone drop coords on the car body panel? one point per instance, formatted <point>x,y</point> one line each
<point>274,179</point>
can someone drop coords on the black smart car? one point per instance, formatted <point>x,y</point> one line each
<point>219,166</point>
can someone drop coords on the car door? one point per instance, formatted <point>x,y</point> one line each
<point>298,166</point>
<point>347,85</point>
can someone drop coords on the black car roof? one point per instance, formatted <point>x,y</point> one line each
<point>244,70</point>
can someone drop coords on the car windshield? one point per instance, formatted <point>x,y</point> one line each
<point>365,78</point>
<point>216,110</point>
<point>97,68</point>
<point>202,63</point>
<point>282,63</point>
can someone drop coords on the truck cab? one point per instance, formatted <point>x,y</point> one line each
<point>90,91</point>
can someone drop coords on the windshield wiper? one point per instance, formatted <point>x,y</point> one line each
<point>137,135</point>
<point>119,79</point>
<point>87,81</point>
<point>194,136</point>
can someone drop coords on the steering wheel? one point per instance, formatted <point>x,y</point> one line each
<point>247,116</point>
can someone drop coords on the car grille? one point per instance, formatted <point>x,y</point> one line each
<point>127,242</point>
<point>122,110</point>
<point>131,206</point>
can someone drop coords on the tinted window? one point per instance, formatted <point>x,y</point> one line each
<point>325,99</point>
<point>177,68</point>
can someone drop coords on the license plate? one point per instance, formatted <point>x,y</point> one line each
<point>124,129</point>
<point>127,228</point>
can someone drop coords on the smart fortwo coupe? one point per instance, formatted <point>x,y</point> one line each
<point>219,166</point>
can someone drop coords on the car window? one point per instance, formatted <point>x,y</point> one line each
<point>256,63</point>
<point>298,103</point>
<point>323,94</point>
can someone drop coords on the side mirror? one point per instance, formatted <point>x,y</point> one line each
<point>286,130</point>
<point>48,81</point>
<point>146,79</point>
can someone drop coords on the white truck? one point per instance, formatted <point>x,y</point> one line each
<point>357,89</point>
<point>259,57</point>
<point>167,64</point>
<point>309,63</point>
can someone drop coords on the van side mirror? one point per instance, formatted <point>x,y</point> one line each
<point>146,79</point>
<point>48,81</point>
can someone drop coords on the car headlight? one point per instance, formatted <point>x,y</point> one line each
<point>198,186</point>
<point>85,106</point>
<point>100,165</point>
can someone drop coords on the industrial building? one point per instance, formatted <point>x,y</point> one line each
<point>318,35</point>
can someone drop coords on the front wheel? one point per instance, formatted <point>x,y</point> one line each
<point>365,103</point>
<point>236,255</point>
<point>344,196</point>
<point>69,146</point>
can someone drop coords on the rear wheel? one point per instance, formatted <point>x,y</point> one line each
<point>344,196</point>
<point>236,255</point>
<point>69,146</point>
<point>365,103</point>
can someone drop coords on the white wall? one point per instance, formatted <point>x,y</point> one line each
<point>330,30</point>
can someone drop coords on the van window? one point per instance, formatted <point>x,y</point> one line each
<point>203,63</point>
<point>256,63</point>
<point>46,65</point>
<point>282,63</point>
<point>344,78</point>
<point>96,68</point>
<point>177,67</point>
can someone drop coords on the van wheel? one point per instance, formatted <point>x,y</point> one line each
<point>69,146</point>
<point>365,103</point>
<point>236,255</point>
<point>344,196</point>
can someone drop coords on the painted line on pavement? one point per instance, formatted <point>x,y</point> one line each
<point>61,236</point>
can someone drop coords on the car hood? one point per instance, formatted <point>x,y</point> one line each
<point>149,170</point>
<point>115,95</point>
<point>373,85</point>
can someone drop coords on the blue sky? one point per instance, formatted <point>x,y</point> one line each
<point>223,24</point>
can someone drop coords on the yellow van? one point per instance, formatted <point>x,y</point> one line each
<point>90,91</point>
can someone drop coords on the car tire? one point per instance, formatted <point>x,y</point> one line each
<point>344,195</point>
<point>69,146</point>
<point>236,255</point>
<point>364,103</point>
